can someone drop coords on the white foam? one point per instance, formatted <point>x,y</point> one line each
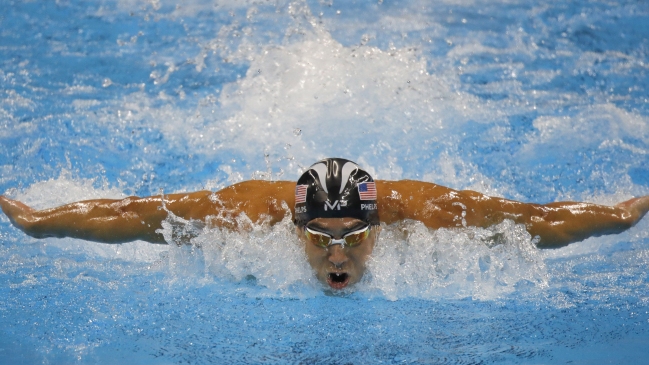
<point>344,99</point>
<point>64,189</point>
<point>271,256</point>
<point>411,260</point>
<point>379,106</point>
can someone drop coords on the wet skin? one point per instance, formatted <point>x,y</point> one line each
<point>269,202</point>
<point>337,266</point>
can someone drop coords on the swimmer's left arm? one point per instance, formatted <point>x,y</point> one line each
<point>556,224</point>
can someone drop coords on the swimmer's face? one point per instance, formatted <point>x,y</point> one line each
<point>335,265</point>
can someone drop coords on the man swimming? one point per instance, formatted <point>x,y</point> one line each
<point>335,206</point>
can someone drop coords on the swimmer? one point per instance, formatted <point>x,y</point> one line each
<point>336,207</point>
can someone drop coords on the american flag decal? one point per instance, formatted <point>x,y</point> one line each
<point>367,191</point>
<point>300,194</point>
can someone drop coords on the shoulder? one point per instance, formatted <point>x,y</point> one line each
<point>257,188</point>
<point>256,191</point>
<point>261,184</point>
<point>393,189</point>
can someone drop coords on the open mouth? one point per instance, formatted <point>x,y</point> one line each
<point>337,280</point>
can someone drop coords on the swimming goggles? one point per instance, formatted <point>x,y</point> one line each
<point>325,240</point>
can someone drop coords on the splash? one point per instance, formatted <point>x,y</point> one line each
<point>64,189</point>
<point>410,261</point>
<point>343,98</point>
<point>413,261</point>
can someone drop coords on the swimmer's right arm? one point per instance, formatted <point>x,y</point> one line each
<point>135,218</point>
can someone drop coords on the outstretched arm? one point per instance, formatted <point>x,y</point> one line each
<point>557,224</point>
<point>134,218</point>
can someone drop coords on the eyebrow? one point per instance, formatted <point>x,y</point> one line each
<point>324,229</point>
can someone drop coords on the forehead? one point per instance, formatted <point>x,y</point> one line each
<point>335,224</point>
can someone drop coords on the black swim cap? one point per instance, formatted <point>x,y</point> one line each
<point>335,188</point>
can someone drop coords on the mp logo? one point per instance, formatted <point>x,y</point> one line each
<point>333,206</point>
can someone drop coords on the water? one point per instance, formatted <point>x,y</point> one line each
<point>526,100</point>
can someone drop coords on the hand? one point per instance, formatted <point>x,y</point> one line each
<point>636,207</point>
<point>19,214</point>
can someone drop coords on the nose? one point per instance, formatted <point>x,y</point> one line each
<point>337,255</point>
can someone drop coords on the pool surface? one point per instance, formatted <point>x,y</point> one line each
<point>534,101</point>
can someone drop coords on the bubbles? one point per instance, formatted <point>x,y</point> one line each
<point>64,189</point>
<point>272,257</point>
<point>344,98</point>
<point>440,94</point>
<point>409,261</point>
<point>413,261</point>
<point>537,103</point>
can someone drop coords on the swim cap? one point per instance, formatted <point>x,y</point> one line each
<point>335,188</point>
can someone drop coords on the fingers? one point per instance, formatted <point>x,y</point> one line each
<point>11,204</point>
<point>637,207</point>
<point>641,206</point>
<point>15,210</point>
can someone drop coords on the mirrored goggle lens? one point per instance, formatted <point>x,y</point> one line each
<point>317,238</point>
<point>351,239</point>
<point>354,238</point>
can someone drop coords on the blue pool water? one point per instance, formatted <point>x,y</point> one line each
<point>535,101</point>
